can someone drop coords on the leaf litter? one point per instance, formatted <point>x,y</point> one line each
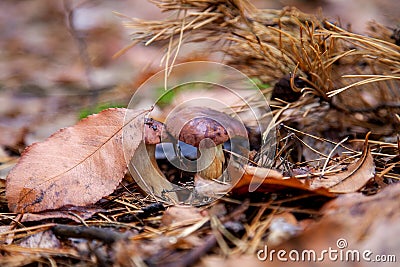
<point>306,174</point>
<point>75,166</point>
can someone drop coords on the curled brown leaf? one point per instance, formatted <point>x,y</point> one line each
<point>355,176</point>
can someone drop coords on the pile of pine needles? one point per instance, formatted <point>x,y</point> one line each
<point>325,81</point>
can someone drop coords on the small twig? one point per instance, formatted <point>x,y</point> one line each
<point>79,218</point>
<point>330,155</point>
<point>91,233</point>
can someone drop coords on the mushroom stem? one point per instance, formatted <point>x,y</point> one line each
<point>206,129</point>
<point>216,156</point>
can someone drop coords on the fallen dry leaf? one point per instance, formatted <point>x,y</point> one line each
<point>144,169</point>
<point>77,165</point>
<point>44,239</point>
<point>267,180</point>
<point>356,176</point>
<point>353,179</point>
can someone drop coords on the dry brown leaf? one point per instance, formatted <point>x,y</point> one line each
<point>144,169</point>
<point>45,239</point>
<point>356,176</point>
<point>353,179</point>
<point>267,180</point>
<point>77,165</point>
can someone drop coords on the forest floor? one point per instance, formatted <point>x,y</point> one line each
<point>58,65</point>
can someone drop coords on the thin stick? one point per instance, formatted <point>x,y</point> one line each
<point>330,155</point>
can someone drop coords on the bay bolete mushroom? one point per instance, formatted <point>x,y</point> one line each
<point>207,129</point>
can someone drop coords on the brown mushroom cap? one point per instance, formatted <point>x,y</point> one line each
<point>152,131</point>
<point>194,124</point>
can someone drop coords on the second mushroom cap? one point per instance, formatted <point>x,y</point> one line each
<point>194,124</point>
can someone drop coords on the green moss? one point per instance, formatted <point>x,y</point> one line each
<point>165,98</point>
<point>260,84</point>
<point>83,113</point>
